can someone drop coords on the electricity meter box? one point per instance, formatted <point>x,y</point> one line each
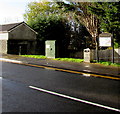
<point>88,55</point>
<point>51,49</point>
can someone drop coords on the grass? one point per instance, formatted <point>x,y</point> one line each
<point>109,63</point>
<point>60,59</point>
<point>35,56</point>
<point>70,59</point>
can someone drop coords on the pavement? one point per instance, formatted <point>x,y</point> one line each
<point>92,68</point>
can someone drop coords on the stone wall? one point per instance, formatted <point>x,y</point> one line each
<point>3,46</point>
<point>104,55</point>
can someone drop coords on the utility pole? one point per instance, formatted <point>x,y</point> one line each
<point>112,49</point>
<point>97,51</point>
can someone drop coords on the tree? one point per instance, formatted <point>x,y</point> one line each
<point>82,15</point>
<point>52,21</point>
<point>89,20</point>
<point>52,27</point>
<point>108,14</point>
<point>34,9</point>
<point>46,19</point>
<point>48,27</point>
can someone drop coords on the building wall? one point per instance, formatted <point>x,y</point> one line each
<point>22,32</point>
<point>21,47</point>
<point>22,40</point>
<point>3,46</point>
<point>3,42</point>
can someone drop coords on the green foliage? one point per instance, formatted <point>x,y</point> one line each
<point>46,19</point>
<point>52,20</point>
<point>34,56</point>
<point>48,27</point>
<point>109,63</point>
<point>34,9</point>
<point>108,14</point>
<point>81,14</point>
<point>60,59</point>
<point>70,59</point>
<point>116,45</point>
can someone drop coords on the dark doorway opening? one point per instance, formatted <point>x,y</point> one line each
<point>17,49</point>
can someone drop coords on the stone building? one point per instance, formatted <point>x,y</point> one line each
<point>17,38</point>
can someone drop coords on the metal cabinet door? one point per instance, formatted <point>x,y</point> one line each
<point>50,48</point>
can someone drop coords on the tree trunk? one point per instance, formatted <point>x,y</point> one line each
<point>97,49</point>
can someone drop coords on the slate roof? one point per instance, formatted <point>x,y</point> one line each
<point>7,27</point>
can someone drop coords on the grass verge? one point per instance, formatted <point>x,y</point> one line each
<point>70,59</point>
<point>109,63</point>
<point>35,56</point>
<point>60,59</point>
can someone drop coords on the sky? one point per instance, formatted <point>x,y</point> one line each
<point>11,11</point>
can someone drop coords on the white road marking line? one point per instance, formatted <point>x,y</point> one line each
<point>87,75</point>
<point>10,60</point>
<point>87,70</point>
<point>73,98</point>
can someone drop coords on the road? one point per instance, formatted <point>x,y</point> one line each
<point>32,89</point>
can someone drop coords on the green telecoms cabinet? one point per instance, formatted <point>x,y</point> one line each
<point>50,48</point>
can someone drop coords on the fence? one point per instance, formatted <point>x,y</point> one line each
<point>104,55</point>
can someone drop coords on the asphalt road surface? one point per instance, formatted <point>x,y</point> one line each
<point>32,89</point>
